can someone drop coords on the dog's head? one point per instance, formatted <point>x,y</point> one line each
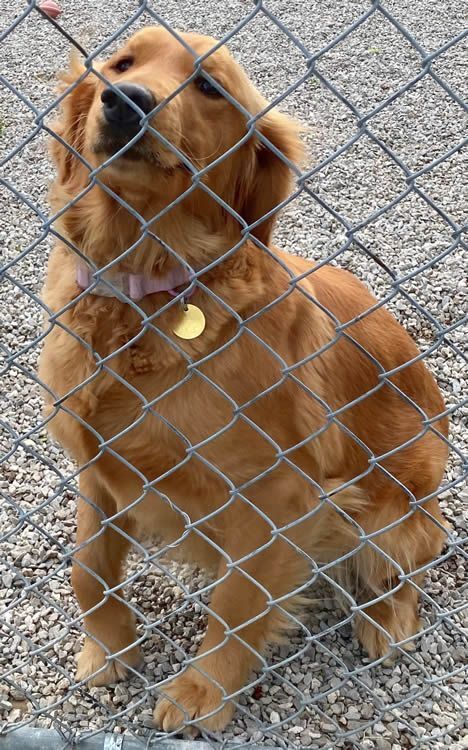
<point>152,82</point>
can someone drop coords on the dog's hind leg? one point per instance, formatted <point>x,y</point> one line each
<point>378,569</point>
<point>97,566</point>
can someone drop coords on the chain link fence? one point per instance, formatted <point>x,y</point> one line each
<point>382,196</point>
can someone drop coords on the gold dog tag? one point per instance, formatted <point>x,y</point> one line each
<point>191,324</point>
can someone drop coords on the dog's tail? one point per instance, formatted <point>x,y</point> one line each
<point>339,531</point>
<point>330,533</point>
<point>339,536</point>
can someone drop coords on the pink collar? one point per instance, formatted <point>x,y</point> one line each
<point>133,285</point>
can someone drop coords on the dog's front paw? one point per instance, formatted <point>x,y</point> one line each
<point>192,696</point>
<point>98,671</point>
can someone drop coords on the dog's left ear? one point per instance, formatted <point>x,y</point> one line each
<point>271,178</point>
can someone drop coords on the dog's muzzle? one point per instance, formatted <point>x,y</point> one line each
<point>121,114</point>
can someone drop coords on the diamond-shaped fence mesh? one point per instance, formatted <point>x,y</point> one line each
<point>378,87</point>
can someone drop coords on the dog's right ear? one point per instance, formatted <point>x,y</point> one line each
<point>72,120</point>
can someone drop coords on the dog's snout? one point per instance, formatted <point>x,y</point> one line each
<point>118,111</point>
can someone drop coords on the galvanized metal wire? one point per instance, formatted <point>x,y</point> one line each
<point>66,482</point>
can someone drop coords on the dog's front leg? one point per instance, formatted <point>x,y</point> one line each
<point>244,618</point>
<point>97,567</point>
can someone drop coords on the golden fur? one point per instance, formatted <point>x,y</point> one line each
<point>177,478</point>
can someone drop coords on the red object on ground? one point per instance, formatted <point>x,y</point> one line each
<point>257,692</point>
<point>51,8</point>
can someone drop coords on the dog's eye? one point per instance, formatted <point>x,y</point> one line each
<point>206,87</point>
<point>124,64</point>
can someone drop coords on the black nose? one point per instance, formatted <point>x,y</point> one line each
<point>118,112</point>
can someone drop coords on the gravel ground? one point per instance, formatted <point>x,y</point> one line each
<point>417,702</point>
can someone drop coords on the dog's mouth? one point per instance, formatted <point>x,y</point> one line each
<point>111,141</point>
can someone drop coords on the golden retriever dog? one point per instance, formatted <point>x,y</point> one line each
<point>278,437</point>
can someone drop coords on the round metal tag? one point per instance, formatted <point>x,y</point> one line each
<point>191,324</point>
